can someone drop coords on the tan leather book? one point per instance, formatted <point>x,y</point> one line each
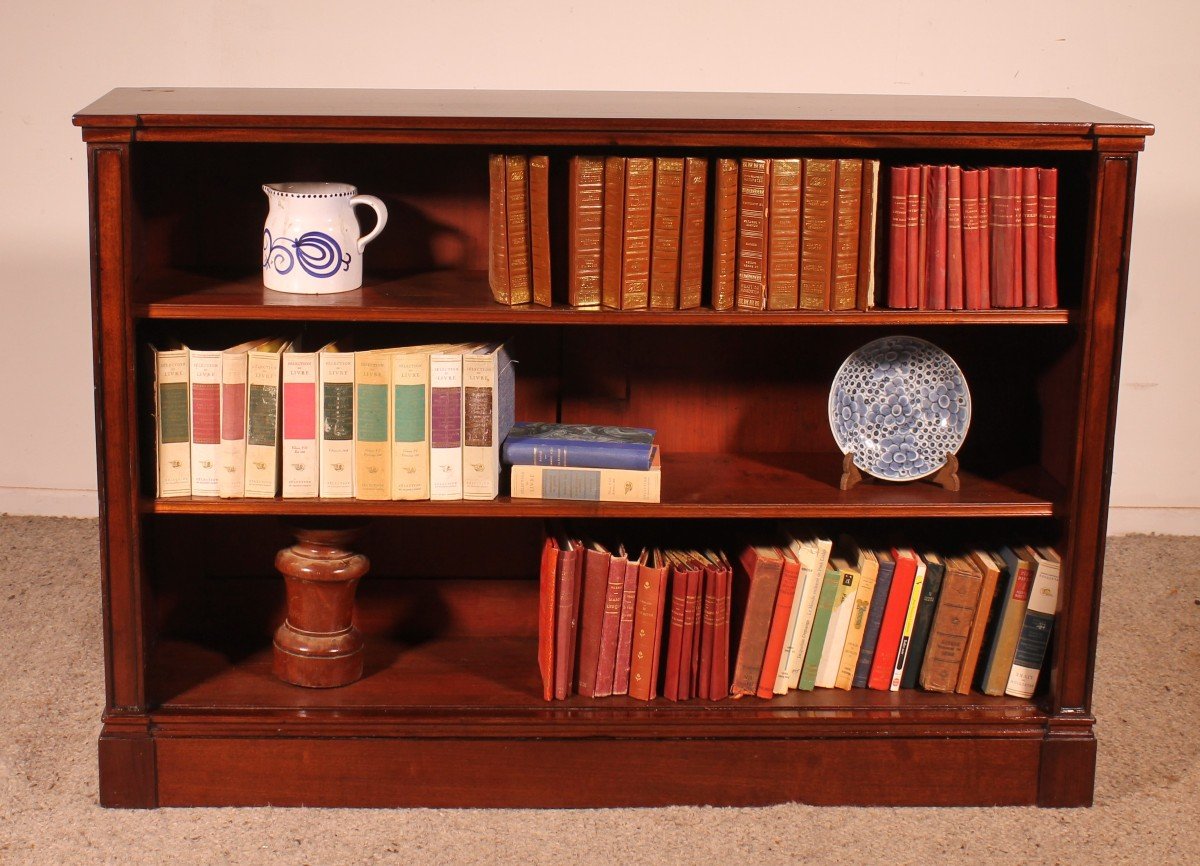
<point>635,252</point>
<point>517,198</point>
<point>951,627</point>
<point>725,230</point>
<point>989,570</point>
<point>498,227</point>
<point>758,575</point>
<point>667,228</point>
<point>1019,571</point>
<point>783,239</point>
<point>539,228</point>
<point>867,219</point>
<point>691,241</point>
<point>585,245</point>
<point>816,238</point>
<point>847,207</point>
<point>753,198</point>
<point>614,231</point>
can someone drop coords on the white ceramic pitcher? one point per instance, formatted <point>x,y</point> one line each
<point>311,243</point>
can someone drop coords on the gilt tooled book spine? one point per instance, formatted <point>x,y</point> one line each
<point>635,253</point>
<point>498,227</point>
<point>647,628</point>
<point>725,232</point>
<point>753,198</point>
<point>1004,221</point>
<point>586,231</point>
<point>1047,237</point>
<point>539,228</point>
<point>985,240</point>
<point>625,629</point>
<point>691,631</point>
<point>898,237</point>
<point>610,624</point>
<point>691,242</point>
<point>846,213</point>
<point>783,235</point>
<point>951,626</point>
<point>816,234</point>
<point>520,279</point>
<point>708,620</point>
<point>920,299</point>
<point>955,299</point>
<point>614,231</point>
<point>935,268</point>
<point>969,196</point>
<point>666,234</point>
<point>1029,234</point>
<point>914,238</point>
<point>867,223</point>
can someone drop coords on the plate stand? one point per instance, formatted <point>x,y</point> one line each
<point>946,477</point>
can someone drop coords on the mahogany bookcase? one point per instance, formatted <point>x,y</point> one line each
<point>449,711</point>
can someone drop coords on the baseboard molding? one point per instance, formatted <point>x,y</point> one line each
<point>48,502</point>
<point>1136,520</point>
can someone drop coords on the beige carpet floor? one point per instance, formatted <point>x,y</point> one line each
<point>51,691</point>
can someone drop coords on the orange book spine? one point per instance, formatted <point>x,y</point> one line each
<point>725,232</point>
<point>547,609</point>
<point>586,231</point>
<point>691,242</point>
<point>783,235</point>
<point>867,220</point>
<point>614,231</point>
<point>667,230</point>
<point>498,228</point>
<point>539,227</point>
<point>1029,233</point>
<point>635,253</point>
<point>779,624</point>
<point>517,189</point>
<point>846,206</point>
<point>816,237</point>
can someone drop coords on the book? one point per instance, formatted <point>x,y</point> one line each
<point>814,554</point>
<point>596,485</point>
<point>867,566</point>
<point>942,661</point>
<point>568,577</point>
<point>935,255</point>
<point>262,418</point>
<point>867,220</point>
<point>594,592</point>
<point>691,240</point>
<point>629,592</point>
<point>710,582</point>
<point>231,456</point>
<point>172,428</point>
<point>647,627</point>
<point>372,448</point>
<point>1029,234</point>
<point>985,240</point>
<point>594,446</point>
<point>879,599</point>
<point>758,570</point>
<point>783,235</point>
<point>915,238</point>
<point>635,252</point>
<point>971,262</point>
<point>547,610</point>
<point>489,398</point>
<point>408,414</point>
<point>693,601</point>
<point>1037,625</point>
<point>955,286</point>
<point>1047,250</point>
<point>920,300</point>
<point>816,234</point>
<point>677,599</point>
<point>666,233</point>
<point>780,620</point>
<point>720,686</point>
<point>1016,237</point>
<point>887,645</point>
<point>498,227</point>
<point>935,570</point>
<point>804,560</point>
<point>1004,220</point>
<point>753,201</point>
<point>585,246</point>
<point>610,623</point>
<point>897,293</point>
<point>830,585</point>
<point>300,454</point>
<point>903,650</point>
<point>539,229</point>
<point>520,276</point>
<point>989,572</point>
<point>1010,616</point>
<point>335,446</point>
<point>613,235</point>
<point>725,231</point>
<point>204,417</point>
<point>839,624</point>
<point>847,205</point>
<point>446,423</point>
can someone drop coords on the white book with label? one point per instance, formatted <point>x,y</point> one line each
<point>172,430</point>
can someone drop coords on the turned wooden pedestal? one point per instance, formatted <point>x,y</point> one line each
<point>318,645</point>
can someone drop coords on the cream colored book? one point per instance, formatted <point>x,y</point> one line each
<point>446,424</point>
<point>204,419</point>
<point>868,569</point>
<point>595,485</point>
<point>489,395</point>
<point>914,601</point>
<point>231,457</point>
<point>823,547</point>
<point>806,557</point>
<point>299,450</point>
<point>372,449</point>
<point>172,440</point>
<point>839,624</point>
<point>408,411</point>
<point>335,431</point>
<point>262,419</point>
<point>1038,623</point>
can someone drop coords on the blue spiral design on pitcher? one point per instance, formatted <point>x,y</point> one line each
<point>317,253</point>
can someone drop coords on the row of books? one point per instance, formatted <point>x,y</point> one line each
<point>802,614</point>
<point>272,416</point>
<point>973,238</point>
<point>519,228</point>
<point>592,462</point>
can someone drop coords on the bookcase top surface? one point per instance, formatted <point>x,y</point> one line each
<point>161,107</point>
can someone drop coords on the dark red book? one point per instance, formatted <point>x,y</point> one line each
<point>1029,233</point>
<point>921,301</point>
<point>546,614</point>
<point>898,240</point>
<point>1015,237</point>
<point>719,685</point>
<point>691,609</point>
<point>694,688</point>
<point>591,616</point>
<point>780,619</point>
<point>647,627</point>
<point>1004,233</point>
<point>955,299</point>
<point>675,652</point>
<point>935,279</point>
<point>610,624</point>
<point>567,579</point>
<point>1047,244</point>
<point>756,584</point>
<point>625,630</point>
<point>970,235</point>
<point>985,241</point>
<point>708,621</point>
<point>914,252</point>
<point>892,626</point>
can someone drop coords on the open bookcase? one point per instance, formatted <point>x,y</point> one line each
<point>449,711</point>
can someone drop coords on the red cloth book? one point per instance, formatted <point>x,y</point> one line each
<point>912,257</point>
<point>780,619</point>
<point>985,241</point>
<point>546,613</point>
<point>568,575</point>
<point>647,627</point>
<point>675,652</point>
<point>898,239</point>
<point>591,616</point>
<point>708,620</point>
<point>625,630</point>
<point>1047,244</point>
<point>954,239</point>
<point>610,624</point>
<point>1015,237</point>
<point>691,631</point>
<point>921,300</point>
<point>755,587</point>
<point>1029,233</point>
<point>1004,235</point>
<point>935,279</point>
<point>719,686</point>
<point>970,235</point>
<point>890,630</point>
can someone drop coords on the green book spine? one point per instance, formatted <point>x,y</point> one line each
<point>812,658</point>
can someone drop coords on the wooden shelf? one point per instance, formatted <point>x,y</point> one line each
<point>464,297</point>
<point>704,485</point>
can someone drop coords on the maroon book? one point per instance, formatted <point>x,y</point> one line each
<point>1015,237</point>
<point>1003,273</point>
<point>610,624</point>
<point>898,240</point>
<point>914,252</point>
<point>955,299</point>
<point>970,236</point>
<point>1029,233</point>
<point>758,572</point>
<point>567,573</point>
<point>691,605</point>
<point>625,631</point>
<point>920,301</point>
<point>672,664</point>
<point>1047,245</point>
<point>708,621</point>
<point>985,242</point>
<point>935,279</point>
<point>591,616</point>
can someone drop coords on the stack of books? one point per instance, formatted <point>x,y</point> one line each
<point>973,238</point>
<point>802,613</point>
<point>272,416</point>
<point>597,462</point>
<point>519,229</point>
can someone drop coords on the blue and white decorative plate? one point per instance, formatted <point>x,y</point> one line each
<point>902,406</point>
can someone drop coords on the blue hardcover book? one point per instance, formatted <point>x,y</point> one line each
<point>883,583</point>
<point>584,446</point>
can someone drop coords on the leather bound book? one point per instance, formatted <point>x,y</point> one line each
<point>955,299</point>
<point>847,206</point>
<point>596,561</point>
<point>892,625</point>
<point>816,234</point>
<point>708,619</point>
<point>566,596</point>
<point>520,278</point>
<point>539,228</point>
<point>718,686</point>
<point>985,240</point>
<point>675,658</point>
<point>498,228</point>
<point>879,599</point>
<point>935,571</point>
<point>756,582</point>
<point>585,244</point>
<point>610,623</point>
<point>898,239</point>
<point>1029,234</point>
<point>783,235</point>
<point>547,610</point>
<point>667,231</point>
<point>920,301</point>
<point>1047,233</point>
<point>725,232</point>
<point>635,251</point>
<point>1017,237</point>
<point>780,618</point>
<point>625,629</point>
<point>691,241</point>
<point>647,627</point>
<point>693,601</point>
<point>867,219</point>
<point>753,197</point>
<point>935,268</point>
<point>614,231</point>
<point>1020,569</point>
<point>969,195</point>
<point>989,572</point>
<point>951,625</point>
<point>916,239</point>
<point>1003,227</point>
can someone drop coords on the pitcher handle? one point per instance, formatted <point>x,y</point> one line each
<point>380,218</point>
